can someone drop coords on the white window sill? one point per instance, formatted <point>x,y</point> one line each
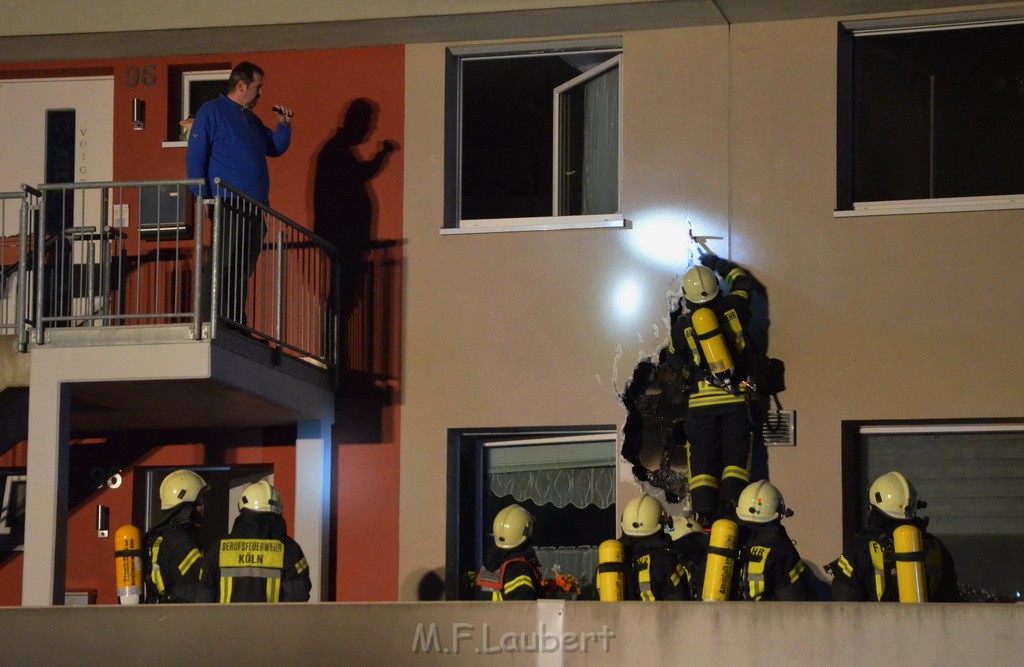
<point>614,221</point>
<point>947,205</point>
<point>174,144</point>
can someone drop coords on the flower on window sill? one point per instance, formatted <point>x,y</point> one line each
<point>561,583</point>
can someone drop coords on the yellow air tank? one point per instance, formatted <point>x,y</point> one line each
<point>611,571</point>
<point>720,561</point>
<point>910,577</point>
<point>712,342</point>
<point>128,564</point>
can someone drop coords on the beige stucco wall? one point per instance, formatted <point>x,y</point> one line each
<point>892,317</point>
<point>898,317</point>
<point>520,329</point>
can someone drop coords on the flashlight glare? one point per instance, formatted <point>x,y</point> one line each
<point>663,240</point>
<point>627,298</point>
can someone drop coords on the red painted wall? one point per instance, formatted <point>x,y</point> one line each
<point>318,85</point>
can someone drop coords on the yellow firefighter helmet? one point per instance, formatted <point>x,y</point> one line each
<point>760,502</point>
<point>700,284</point>
<point>181,486</point>
<point>512,527</point>
<point>894,496</point>
<point>260,497</point>
<point>681,526</point>
<point>643,516</point>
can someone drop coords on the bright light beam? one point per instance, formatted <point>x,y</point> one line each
<point>663,239</point>
<point>627,298</point>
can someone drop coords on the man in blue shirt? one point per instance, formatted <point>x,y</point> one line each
<point>228,141</point>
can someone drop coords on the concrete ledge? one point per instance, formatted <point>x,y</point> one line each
<point>546,633</point>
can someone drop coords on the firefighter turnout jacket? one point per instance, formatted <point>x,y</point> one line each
<point>718,427</point>
<point>769,566</point>
<point>178,570</point>
<point>509,575</point>
<point>867,568</point>
<point>732,311</point>
<point>653,571</point>
<point>258,562</point>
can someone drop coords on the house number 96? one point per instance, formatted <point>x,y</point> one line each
<point>146,76</point>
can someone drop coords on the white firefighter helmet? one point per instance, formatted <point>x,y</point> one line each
<point>512,527</point>
<point>681,526</point>
<point>181,486</point>
<point>700,284</point>
<point>260,497</point>
<point>894,496</point>
<point>643,516</point>
<point>760,502</point>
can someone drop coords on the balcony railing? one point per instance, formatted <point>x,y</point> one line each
<point>15,209</point>
<point>146,253</point>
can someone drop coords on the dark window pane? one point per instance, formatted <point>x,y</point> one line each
<point>507,132</point>
<point>937,114</point>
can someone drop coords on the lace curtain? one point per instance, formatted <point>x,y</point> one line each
<point>581,562</point>
<point>579,487</point>
<point>601,143</point>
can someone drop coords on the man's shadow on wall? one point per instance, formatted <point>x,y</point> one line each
<point>345,214</point>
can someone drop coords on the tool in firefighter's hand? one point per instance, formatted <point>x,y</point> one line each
<point>286,114</point>
<point>701,243</point>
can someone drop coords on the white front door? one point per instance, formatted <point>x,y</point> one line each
<point>23,133</point>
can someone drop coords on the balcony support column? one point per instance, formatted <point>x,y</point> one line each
<point>314,494</point>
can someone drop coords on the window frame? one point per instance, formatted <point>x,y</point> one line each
<point>466,478</point>
<point>855,434</point>
<point>558,144</point>
<point>846,205</point>
<point>454,224</point>
<point>189,76</point>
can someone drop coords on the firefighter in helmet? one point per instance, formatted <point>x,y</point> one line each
<point>258,561</point>
<point>510,569</point>
<point>708,344</point>
<point>769,565</point>
<point>867,568</point>
<point>653,572</point>
<point>690,544</point>
<point>178,570</point>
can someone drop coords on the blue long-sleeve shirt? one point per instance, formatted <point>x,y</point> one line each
<point>232,143</point>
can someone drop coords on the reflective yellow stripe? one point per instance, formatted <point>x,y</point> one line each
<point>845,566</point>
<point>691,342</point>
<point>273,590</point>
<point>735,273</point>
<point>732,320</point>
<point>189,560</point>
<point>678,575</point>
<point>158,581</point>
<point>251,553</point>
<point>703,480</point>
<point>155,575</point>
<point>225,589</point>
<point>521,580</point>
<point>878,562</point>
<point>754,571</point>
<point>643,577</point>
<point>301,566</point>
<point>707,395</point>
<point>736,472</point>
<point>797,570</point>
